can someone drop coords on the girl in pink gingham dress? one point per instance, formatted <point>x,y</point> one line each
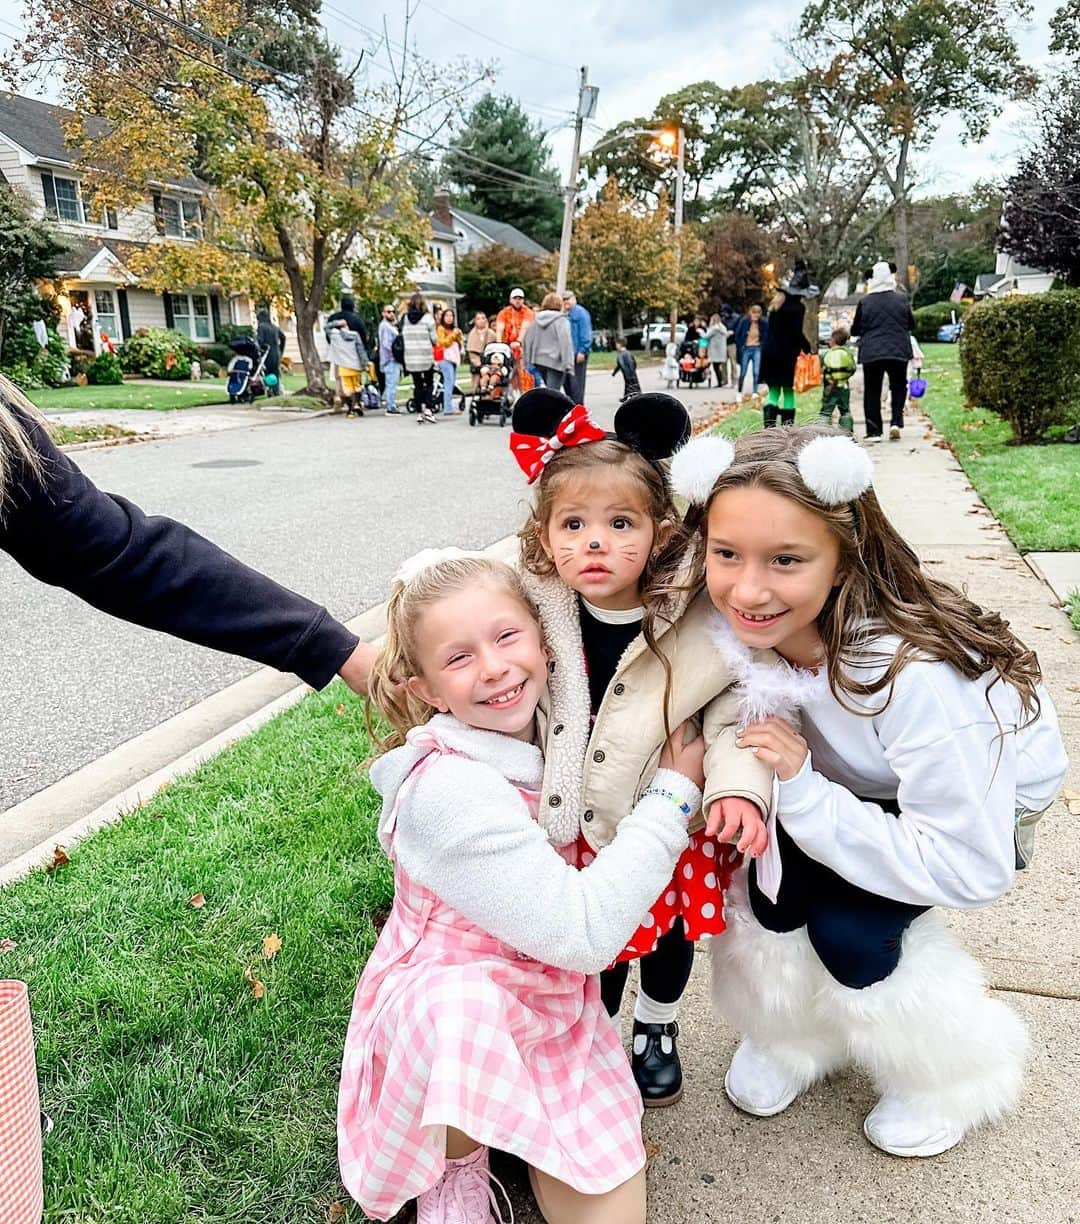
<point>478,1021</point>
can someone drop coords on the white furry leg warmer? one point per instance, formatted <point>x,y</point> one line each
<point>931,1036</point>
<point>770,986</point>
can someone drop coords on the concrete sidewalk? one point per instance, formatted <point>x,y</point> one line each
<point>811,1163</point>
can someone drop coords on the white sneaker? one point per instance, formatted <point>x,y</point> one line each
<point>900,1128</point>
<point>757,1084</point>
<point>894,433</point>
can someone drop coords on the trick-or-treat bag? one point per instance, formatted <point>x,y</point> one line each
<point>21,1193</point>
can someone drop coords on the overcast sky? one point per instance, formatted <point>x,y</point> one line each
<point>636,53</point>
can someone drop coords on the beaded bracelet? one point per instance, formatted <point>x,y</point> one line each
<point>678,800</point>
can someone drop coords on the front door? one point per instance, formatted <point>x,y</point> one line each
<point>81,319</point>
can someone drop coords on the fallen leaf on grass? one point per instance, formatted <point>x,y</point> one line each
<point>339,709</point>
<point>335,1212</point>
<point>8,945</point>
<point>257,988</point>
<point>197,902</point>
<point>271,946</point>
<point>60,858</point>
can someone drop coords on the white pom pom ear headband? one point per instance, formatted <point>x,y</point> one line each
<point>835,470</point>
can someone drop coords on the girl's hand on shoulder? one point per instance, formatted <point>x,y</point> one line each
<point>728,816</point>
<point>778,744</point>
<point>687,758</point>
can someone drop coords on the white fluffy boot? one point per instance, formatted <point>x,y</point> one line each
<point>771,984</point>
<point>945,1056</point>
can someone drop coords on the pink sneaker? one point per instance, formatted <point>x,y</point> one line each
<point>463,1195</point>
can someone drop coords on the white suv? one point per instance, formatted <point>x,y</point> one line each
<point>657,335</point>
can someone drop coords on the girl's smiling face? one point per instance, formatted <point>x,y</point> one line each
<point>770,565</point>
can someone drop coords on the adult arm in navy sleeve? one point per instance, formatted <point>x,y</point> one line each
<point>156,572</point>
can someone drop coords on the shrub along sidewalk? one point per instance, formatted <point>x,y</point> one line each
<point>180,1087</point>
<point>1034,491</point>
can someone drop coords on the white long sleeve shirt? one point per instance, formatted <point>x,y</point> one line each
<point>957,778</point>
<point>463,831</point>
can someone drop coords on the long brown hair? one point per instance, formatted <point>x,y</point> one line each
<point>398,659</point>
<point>882,586</point>
<point>659,579</point>
<point>15,448</point>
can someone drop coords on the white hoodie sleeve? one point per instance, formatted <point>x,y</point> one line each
<point>466,835</point>
<point>952,843</point>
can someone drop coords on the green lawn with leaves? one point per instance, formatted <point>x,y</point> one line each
<point>160,397</point>
<point>177,1094</point>
<point>1034,491</point>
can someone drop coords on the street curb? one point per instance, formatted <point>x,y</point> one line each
<point>109,443</point>
<point>124,760</point>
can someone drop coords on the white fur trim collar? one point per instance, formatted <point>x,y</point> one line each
<point>764,689</point>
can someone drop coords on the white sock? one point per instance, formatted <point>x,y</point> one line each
<point>648,1011</point>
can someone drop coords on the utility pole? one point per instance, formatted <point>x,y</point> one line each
<point>680,174</point>
<point>586,108</point>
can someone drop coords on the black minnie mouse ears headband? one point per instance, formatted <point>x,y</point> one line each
<point>547,421</point>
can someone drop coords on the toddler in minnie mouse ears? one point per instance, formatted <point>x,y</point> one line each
<point>608,564</point>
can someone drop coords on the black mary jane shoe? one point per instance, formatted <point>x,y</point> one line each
<point>657,1069</point>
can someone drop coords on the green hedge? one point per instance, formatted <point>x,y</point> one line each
<point>154,352</point>
<point>104,371</point>
<point>929,318</point>
<point>1020,358</point>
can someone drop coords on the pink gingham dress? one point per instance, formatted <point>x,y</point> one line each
<point>451,1027</point>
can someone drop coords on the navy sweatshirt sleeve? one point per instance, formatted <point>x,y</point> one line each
<point>156,572</point>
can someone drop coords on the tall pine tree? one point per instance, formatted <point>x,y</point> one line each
<point>498,132</point>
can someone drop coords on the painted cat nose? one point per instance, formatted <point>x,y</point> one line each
<point>594,543</point>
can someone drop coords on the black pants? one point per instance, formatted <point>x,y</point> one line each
<point>574,382</point>
<point>664,972</point>
<point>720,370</point>
<point>856,934</point>
<point>422,381</point>
<point>874,373</point>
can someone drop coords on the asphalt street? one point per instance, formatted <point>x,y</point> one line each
<point>328,507</point>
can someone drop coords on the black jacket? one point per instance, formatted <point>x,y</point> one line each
<point>158,573</point>
<point>781,347</point>
<point>884,323</point>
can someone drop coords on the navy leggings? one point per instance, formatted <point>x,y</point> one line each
<point>856,934</point>
<point>664,972</point>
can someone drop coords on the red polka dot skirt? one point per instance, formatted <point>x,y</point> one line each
<point>695,894</point>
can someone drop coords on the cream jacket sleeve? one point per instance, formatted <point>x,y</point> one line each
<point>731,771</point>
<point>466,834</point>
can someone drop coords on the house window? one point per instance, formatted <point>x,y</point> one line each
<point>435,257</point>
<point>67,200</point>
<point>181,218</point>
<point>191,315</point>
<point>108,320</point>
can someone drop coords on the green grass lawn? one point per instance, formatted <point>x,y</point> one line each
<point>68,435</point>
<point>157,397</point>
<point>177,1095</point>
<point>1072,605</point>
<point>1034,491</point>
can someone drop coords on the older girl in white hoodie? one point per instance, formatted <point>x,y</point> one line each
<point>926,746</point>
<point>478,1022</point>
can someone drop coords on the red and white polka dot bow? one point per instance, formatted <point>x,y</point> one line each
<point>533,453</point>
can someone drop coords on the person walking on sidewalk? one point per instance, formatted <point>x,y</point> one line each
<point>837,367</point>
<point>627,367</point>
<point>717,336</point>
<point>785,341</point>
<point>479,337</point>
<point>926,747</point>
<point>548,345</point>
<point>418,336</point>
<point>349,357</point>
<point>883,323</point>
<point>511,324</point>
<point>389,366</point>
<point>449,338</point>
<point>581,337</point>
<point>751,332</point>
<point>151,570</point>
<point>480,1005</point>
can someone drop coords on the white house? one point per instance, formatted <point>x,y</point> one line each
<point>1011,277</point>
<point>101,296</point>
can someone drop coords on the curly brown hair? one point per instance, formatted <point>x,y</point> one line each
<point>659,581</point>
<point>882,586</point>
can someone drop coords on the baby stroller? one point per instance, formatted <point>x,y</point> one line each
<point>496,399</point>
<point>246,370</point>
<point>694,369</point>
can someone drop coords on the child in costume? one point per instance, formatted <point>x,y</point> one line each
<point>924,735</point>
<point>837,367</point>
<point>478,1020</point>
<point>608,567</point>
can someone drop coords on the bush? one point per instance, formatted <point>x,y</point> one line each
<point>227,331</point>
<point>1020,358</point>
<point>210,368</point>
<point>31,366</point>
<point>104,371</point>
<point>79,361</point>
<point>154,352</point>
<point>220,354</point>
<point>929,318</point>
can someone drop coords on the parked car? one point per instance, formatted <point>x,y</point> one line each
<point>949,333</point>
<point>658,333</point>
<point>824,329</point>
